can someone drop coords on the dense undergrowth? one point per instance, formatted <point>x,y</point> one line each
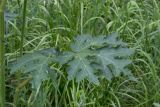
<point>55,24</point>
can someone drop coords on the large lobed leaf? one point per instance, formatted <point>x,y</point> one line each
<point>35,64</point>
<point>87,57</point>
<point>91,54</point>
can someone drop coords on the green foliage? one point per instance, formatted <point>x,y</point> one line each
<point>55,22</point>
<point>87,56</point>
<point>36,64</point>
<point>2,54</point>
<point>91,54</point>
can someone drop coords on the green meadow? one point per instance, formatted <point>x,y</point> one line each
<point>79,53</point>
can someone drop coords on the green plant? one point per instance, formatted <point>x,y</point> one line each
<point>53,23</point>
<point>88,55</point>
<point>23,26</point>
<point>2,60</point>
<point>102,53</point>
<point>36,64</point>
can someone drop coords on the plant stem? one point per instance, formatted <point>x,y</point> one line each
<point>2,64</point>
<point>82,7</point>
<point>23,26</point>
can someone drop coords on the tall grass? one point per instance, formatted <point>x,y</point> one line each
<point>54,23</point>
<point>2,60</point>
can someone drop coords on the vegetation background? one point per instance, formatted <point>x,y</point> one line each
<point>33,25</point>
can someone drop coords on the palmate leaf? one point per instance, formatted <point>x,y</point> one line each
<point>91,54</point>
<point>108,56</point>
<point>35,64</point>
<point>87,57</point>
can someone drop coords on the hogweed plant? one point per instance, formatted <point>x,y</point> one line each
<point>49,66</point>
<point>89,57</point>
